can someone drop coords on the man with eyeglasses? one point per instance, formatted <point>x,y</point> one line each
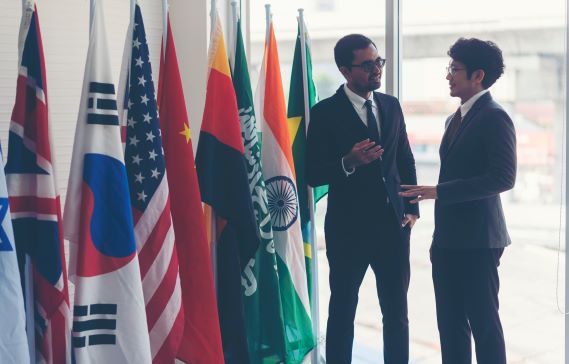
<point>478,162</point>
<point>357,143</point>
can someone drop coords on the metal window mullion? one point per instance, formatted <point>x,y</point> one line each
<point>565,184</point>
<point>393,47</point>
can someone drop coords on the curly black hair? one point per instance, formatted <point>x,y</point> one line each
<point>345,47</point>
<point>477,54</point>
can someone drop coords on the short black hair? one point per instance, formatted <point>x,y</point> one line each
<point>345,47</point>
<point>477,54</point>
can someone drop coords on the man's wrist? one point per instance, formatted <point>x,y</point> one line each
<point>345,166</point>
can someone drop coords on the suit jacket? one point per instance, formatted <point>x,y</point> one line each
<point>476,166</point>
<point>354,201</point>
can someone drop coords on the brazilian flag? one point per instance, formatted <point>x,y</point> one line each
<point>297,126</point>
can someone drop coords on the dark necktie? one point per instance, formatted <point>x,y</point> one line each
<point>453,127</point>
<point>372,123</point>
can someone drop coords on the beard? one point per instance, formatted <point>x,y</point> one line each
<point>373,85</point>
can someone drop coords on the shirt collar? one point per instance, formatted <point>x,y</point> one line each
<point>356,99</point>
<point>465,108</point>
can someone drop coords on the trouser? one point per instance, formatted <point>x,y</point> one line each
<point>466,290</point>
<point>388,255</point>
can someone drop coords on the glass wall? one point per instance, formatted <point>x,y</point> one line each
<point>327,21</point>
<point>532,39</point>
<point>531,90</point>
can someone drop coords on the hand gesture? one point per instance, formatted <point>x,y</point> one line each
<point>362,153</point>
<point>419,192</point>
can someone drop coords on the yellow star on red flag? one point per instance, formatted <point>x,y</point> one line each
<point>186,132</point>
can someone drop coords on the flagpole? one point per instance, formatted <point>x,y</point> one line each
<point>268,20</point>
<point>164,25</point>
<point>233,43</point>
<point>213,216</point>
<point>212,14</point>
<point>315,300</point>
<point>91,15</point>
<point>132,8</point>
<point>27,12</point>
<point>28,292</point>
<point>29,302</point>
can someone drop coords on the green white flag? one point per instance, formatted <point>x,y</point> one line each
<point>297,126</point>
<point>262,301</point>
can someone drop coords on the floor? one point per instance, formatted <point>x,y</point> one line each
<point>532,302</point>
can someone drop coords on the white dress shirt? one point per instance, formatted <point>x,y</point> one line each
<point>358,103</point>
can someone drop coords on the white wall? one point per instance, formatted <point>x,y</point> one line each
<point>190,28</point>
<point>64,28</point>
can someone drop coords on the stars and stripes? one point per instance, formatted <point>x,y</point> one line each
<point>35,204</point>
<point>151,205</point>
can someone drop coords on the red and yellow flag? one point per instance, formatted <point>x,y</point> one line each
<point>224,186</point>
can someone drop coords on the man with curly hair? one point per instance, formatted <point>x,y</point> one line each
<point>478,162</point>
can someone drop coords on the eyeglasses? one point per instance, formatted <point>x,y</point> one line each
<point>452,70</point>
<point>369,66</point>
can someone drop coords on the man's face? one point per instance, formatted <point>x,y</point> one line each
<point>358,78</point>
<point>459,84</point>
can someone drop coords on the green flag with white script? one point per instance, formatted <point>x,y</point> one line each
<point>260,280</point>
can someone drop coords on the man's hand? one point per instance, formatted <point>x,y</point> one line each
<point>409,219</point>
<point>420,192</point>
<point>362,153</point>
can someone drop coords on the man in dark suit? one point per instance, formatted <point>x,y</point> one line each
<point>357,143</point>
<point>478,162</point>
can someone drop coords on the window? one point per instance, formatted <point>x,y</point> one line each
<point>325,5</point>
<point>326,27</point>
<point>532,92</point>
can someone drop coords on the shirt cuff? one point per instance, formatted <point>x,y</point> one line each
<point>347,172</point>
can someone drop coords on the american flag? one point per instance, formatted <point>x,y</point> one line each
<point>36,207</point>
<point>149,193</point>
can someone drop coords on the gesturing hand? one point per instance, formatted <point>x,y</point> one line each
<point>363,152</point>
<point>409,219</point>
<point>420,192</point>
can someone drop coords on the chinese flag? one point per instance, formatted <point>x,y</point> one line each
<point>201,343</point>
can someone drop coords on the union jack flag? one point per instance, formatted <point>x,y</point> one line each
<point>36,207</point>
<point>144,159</point>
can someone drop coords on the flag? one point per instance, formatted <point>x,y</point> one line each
<point>263,309</point>
<point>224,187</point>
<point>150,201</point>
<point>201,342</point>
<point>279,174</point>
<point>13,341</point>
<point>109,313</point>
<point>36,206</point>
<point>297,110</point>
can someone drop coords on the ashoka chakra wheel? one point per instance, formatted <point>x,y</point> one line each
<point>283,202</point>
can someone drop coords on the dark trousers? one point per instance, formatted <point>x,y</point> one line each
<point>466,290</point>
<point>388,255</point>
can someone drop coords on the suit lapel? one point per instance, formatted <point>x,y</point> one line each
<point>465,123</point>
<point>347,111</point>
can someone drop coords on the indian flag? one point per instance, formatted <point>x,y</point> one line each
<point>282,194</point>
